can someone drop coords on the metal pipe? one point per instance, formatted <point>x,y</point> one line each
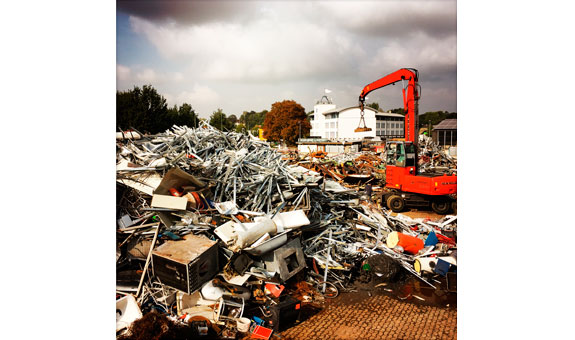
<point>327,262</point>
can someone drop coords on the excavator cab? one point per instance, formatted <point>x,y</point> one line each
<point>400,154</point>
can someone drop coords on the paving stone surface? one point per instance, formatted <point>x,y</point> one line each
<point>377,317</point>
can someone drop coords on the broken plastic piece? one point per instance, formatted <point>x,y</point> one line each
<point>261,333</point>
<point>442,267</point>
<point>431,239</point>
<point>274,290</point>
<point>127,311</point>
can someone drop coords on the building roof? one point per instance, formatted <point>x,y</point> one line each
<point>446,124</point>
<point>377,113</point>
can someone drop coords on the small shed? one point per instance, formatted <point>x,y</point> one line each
<point>445,133</point>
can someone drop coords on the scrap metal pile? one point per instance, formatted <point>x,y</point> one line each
<point>217,232</point>
<point>432,158</point>
<point>348,168</point>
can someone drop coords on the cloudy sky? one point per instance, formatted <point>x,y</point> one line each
<point>246,55</point>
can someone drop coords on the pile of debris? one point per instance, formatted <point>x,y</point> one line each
<point>433,158</point>
<point>351,169</point>
<point>217,233</point>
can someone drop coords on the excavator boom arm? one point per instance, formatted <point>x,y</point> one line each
<point>410,97</point>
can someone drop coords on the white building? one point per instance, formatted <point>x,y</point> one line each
<point>332,123</point>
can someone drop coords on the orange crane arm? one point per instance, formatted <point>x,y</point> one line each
<point>410,97</point>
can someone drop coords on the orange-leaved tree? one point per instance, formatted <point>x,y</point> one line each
<point>284,122</point>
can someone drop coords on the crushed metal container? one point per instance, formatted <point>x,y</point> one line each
<point>186,264</point>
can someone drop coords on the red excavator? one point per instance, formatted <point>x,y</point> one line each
<point>404,186</point>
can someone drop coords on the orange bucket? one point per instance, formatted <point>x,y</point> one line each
<point>409,243</point>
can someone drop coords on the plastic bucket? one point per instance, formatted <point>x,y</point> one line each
<point>243,324</point>
<point>409,243</point>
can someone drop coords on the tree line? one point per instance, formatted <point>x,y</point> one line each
<point>145,110</point>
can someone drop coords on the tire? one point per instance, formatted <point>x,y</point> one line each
<point>454,207</point>
<point>441,206</point>
<point>396,203</point>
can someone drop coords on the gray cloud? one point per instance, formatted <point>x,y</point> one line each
<point>396,19</point>
<point>187,12</point>
<point>270,51</point>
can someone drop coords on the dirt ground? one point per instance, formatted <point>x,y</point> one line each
<point>415,213</point>
<point>360,316</point>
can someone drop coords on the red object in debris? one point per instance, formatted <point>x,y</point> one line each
<point>199,203</point>
<point>274,290</point>
<point>175,192</point>
<point>298,306</point>
<point>261,333</point>
<point>445,239</point>
<point>315,266</point>
<point>409,243</point>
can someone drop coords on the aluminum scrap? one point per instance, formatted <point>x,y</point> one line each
<point>432,158</point>
<point>243,170</point>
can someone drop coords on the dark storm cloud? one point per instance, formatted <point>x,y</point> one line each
<point>186,12</point>
<point>394,19</point>
<point>401,25</point>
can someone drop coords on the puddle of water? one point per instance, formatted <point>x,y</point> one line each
<point>414,290</point>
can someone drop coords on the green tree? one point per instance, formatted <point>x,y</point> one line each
<point>285,121</point>
<point>435,117</point>
<point>218,120</point>
<point>399,110</point>
<point>241,128</point>
<point>143,109</point>
<point>374,105</point>
<point>233,119</point>
<point>251,119</point>
<point>187,116</point>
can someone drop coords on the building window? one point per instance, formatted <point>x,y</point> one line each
<point>441,137</point>
<point>332,115</point>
